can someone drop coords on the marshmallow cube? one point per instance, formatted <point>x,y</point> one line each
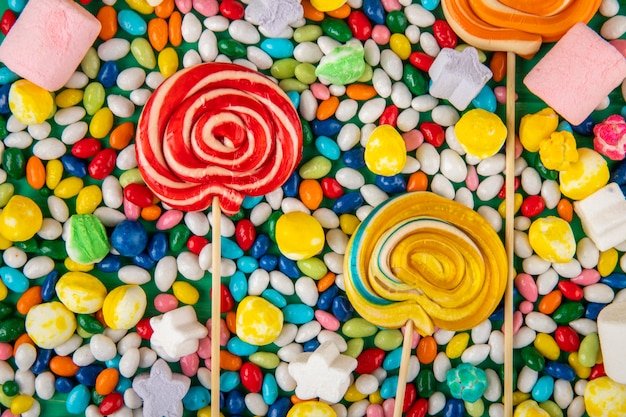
<point>577,73</point>
<point>48,41</point>
<point>612,333</point>
<point>603,216</point>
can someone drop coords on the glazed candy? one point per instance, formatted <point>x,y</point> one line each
<point>217,130</point>
<point>610,137</point>
<point>424,258</point>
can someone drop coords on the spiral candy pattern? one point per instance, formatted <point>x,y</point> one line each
<point>424,258</point>
<point>217,129</point>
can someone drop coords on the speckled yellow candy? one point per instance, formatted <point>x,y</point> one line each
<point>552,239</point>
<point>29,103</point>
<point>299,235</point>
<point>259,322</point>
<point>20,219</point>
<point>385,151</point>
<point>124,306</point>
<point>530,408</point>
<point>605,398</point>
<point>535,128</point>
<point>480,133</point>
<point>311,409</point>
<point>80,292</point>
<point>585,176</point>
<point>50,324</point>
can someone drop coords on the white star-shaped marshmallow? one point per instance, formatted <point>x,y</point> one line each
<point>274,16</point>
<point>176,333</point>
<point>161,390</point>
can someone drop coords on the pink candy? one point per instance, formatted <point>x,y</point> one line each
<point>610,137</point>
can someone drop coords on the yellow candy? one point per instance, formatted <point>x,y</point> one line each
<point>185,292</point>
<point>311,409</point>
<point>299,235</point>
<point>327,5</point>
<point>348,223</point>
<point>400,45</point>
<point>50,324</point>
<point>206,412</point>
<point>605,398</point>
<point>585,176</point>
<point>607,262</point>
<point>259,322</point>
<point>385,151</point>
<point>168,62</point>
<point>89,198</point>
<point>54,173</point>
<point>69,98</point>
<point>559,151</point>
<point>81,293</point>
<point>530,408</point>
<point>68,187</point>
<point>552,239</point>
<point>77,267</point>
<point>480,133</point>
<point>124,306</point>
<point>141,6</point>
<point>101,123</point>
<point>582,371</point>
<point>29,103</point>
<point>547,346</point>
<point>376,398</point>
<point>4,291</point>
<point>20,219</point>
<point>457,345</point>
<point>21,404</point>
<point>517,203</point>
<point>5,243</point>
<point>535,128</point>
<point>353,395</point>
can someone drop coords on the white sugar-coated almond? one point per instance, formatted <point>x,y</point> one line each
<point>134,401</point>
<point>563,393</point>
<point>226,225</point>
<point>126,158</point>
<point>189,266</point>
<point>19,140</point>
<point>6,372</point>
<point>547,281</point>
<point>348,136</point>
<point>366,132</point>
<point>147,357</point>
<point>207,46</point>
<point>245,63</point>
<point>381,83</point>
<point>429,44</point>
<point>102,347</point>
<point>291,204</point>
<point>274,198</point>
<point>442,186</point>
<point>258,282</point>
<point>14,125</point>
<point>244,32</point>
<point>308,331</point>
<point>131,340</point>
<point>372,110</point>
<point>133,274</point>
<point>286,33</point>
<point>465,197</point>
<point>412,33</point>
<point>34,410</point>
<point>69,346</point>
<point>472,160</point>
<point>445,115</point>
<point>38,267</point>
<point>522,223</point>
<point>412,165</point>
<point>115,335</point>
<point>584,326</point>
<point>441,366</point>
<point>489,187</point>
<point>372,53</point>
<point>524,337</point>
<point>400,95</point>
<point>26,381</point>
<point>522,245</point>
<point>74,132</point>
<point>129,363</point>
<point>255,404</point>
<point>366,384</point>
<point>480,334</point>
<point>350,178</point>
<point>287,335</point>
<point>49,149</point>
<point>77,80</point>
<point>140,96</point>
<point>534,265</point>
<point>373,195</point>
<point>290,352</point>
<point>281,283</point>
<point>419,16</point>
<point>69,115</point>
<point>453,141</point>
<point>261,212</point>
<point>346,110</point>
<point>108,216</point>
<point>337,90</point>
<point>44,385</point>
<point>569,269</point>
<point>197,222</point>
<point>165,273</point>
<point>587,253</point>
<point>492,216</point>
<point>327,218</point>
<point>327,44</point>
<point>424,103</point>
<point>306,289</point>
<point>120,106</point>
<point>540,322</point>
<point>334,262</point>
<point>526,379</point>
<point>491,166</point>
<point>443,336</point>
<point>216,23</point>
<point>14,257</point>
<point>58,208</point>
<point>531,181</point>
<point>223,58</point>
<point>154,79</point>
<point>191,28</point>
<point>407,120</point>
<point>613,28</point>
<point>337,240</point>
<point>476,354</point>
<point>598,293</point>
<point>25,356</point>
<point>131,78</point>
<point>494,386</point>
<point>579,386</point>
<point>308,52</point>
<point>608,8</point>
<point>308,105</point>
<point>392,64</point>
<point>436,403</point>
<point>112,193</point>
<point>550,193</point>
<point>113,49</point>
<point>328,336</point>
<point>428,158</point>
<point>452,166</point>
<point>496,343</point>
<point>191,58</point>
<point>83,356</point>
<point>356,409</point>
<point>39,130</point>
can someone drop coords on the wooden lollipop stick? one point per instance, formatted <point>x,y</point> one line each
<point>216,266</point>
<point>509,233</point>
<point>404,368</point>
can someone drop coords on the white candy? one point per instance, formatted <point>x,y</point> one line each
<point>25,356</point>
<point>133,274</point>
<point>366,384</point>
<point>207,46</point>
<point>428,158</point>
<point>598,293</point>
<point>327,218</point>
<point>373,195</point>
<point>147,357</point>
<point>584,326</point>
<point>69,115</point>
<point>608,8</point>
<point>308,105</point>
<point>524,337</point>
<point>372,110</point>
<point>527,379</point>
<point>412,33</point>
<point>287,335</point>
<point>120,106</point>
<point>281,283</point>
<point>577,407</point>
<point>491,166</point>
<point>334,262</point>
<point>113,49</point>
<point>489,187</point>
<point>176,333</point>
<point>307,52</point>
<point>131,340</point>
<point>492,216</point>
<point>400,95</point>
<point>290,352</point>
<point>476,354</point>
<point>551,193</point>
<point>14,257</point>
<point>480,334</point>
<point>465,197</point>
<point>392,64</point>
<point>452,166</point>
<point>274,198</point>
<point>603,216</point>
<point>337,240</point>
<point>44,385</point>
<point>244,32</point>
<point>540,322</point>
<point>308,331</point>
<point>74,132</point>
<point>216,23</point>
<point>131,78</point>
<point>442,186</point>
<point>140,97</point>
<point>49,149</point>
<point>38,267</point>
<point>419,16</point>
<point>261,212</point>
<point>40,130</point>
<point>494,386</point>
<point>613,28</point>
<point>547,281</point>
<point>534,265</point>
<point>445,115</point>
<point>191,58</point>
<point>255,404</point>
<point>292,204</point>
<point>6,372</point>
<point>306,290</point>
<point>563,393</point>
<point>407,120</point>
<point>126,158</point>
<point>129,362</point>
<point>496,342</point>
<point>77,80</point>
<point>357,409</point>
<point>441,366</point>
<point>189,266</point>
<point>372,53</point>
<point>154,79</point>
<point>436,403</point>
<point>83,356</point>
<point>346,110</point>
<point>19,140</point>
<point>429,44</point>
<point>26,381</point>
<point>191,28</point>
<point>348,136</point>
<point>69,346</point>
<point>102,347</point>
<point>587,253</point>
<point>424,103</point>
<point>569,269</point>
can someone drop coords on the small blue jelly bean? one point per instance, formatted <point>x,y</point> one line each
<point>113,362</point>
<point>131,22</point>
<point>78,400</point>
<point>196,398</point>
<point>295,98</point>
<point>277,48</point>
<point>250,202</point>
<point>615,280</point>
<point>288,267</point>
<point>260,246</point>
<point>16,5</point>
<point>564,125</point>
<point>298,313</point>
<point>74,166</point>
<point>354,158</point>
<point>392,185</point>
<point>618,174</point>
<point>230,250</point>
<point>87,375</point>
<point>291,186</point>
<point>542,391</point>
<point>235,402</point>
<point>329,127</point>
<point>110,263</point>
<point>430,4</point>
<point>268,262</point>
<point>342,308</point>
<point>310,345</point>
<point>325,300</point>
<point>48,287</point>
<point>144,260</point>
<point>63,384</point>
<point>388,387</point>
<point>585,128</point>
<point>229,381</point>
<point>593,309</point>
<point>108,74</point>
<point>559,370</point>
<point>269,389</point>
<point>274,297</point>
<point>393,359</point>
<point>14,279</point>
<point>4,99</point>
<point>247,264</point>
<point>240,348</point>
<point>498,314</point>
<point>7,76</point>
<point>42,361</point>
<point>129,238</point>
<point>158,245</point>
<point>486,100</point>
<point>374,10</point>
<point>348,202</point>
<point>328,148</point>
<point>123,384</point>
<point>454,408</point>
<point>238,286</point>
<point>280,408</point>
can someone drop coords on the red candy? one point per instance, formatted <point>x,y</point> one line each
<point>502,192</point>
<point>567,339</point>
<point>245,234</point>
<point>251,377</point>
<point>331,188</point>
<point>232,9</point>
<point>419,409</point>
<point>111,403</point>
<point>532,206</point>
<point>144,329</point>
<point>571,290</point>
<point>369,360</point>
<point>86,148</point>
<point>433,133</point>
<point>389,116</point>
<point>231,132</point>
<point>597,371</point>
<point>422,61</point>
<point>7,21</point>
<point>227,301</point>
<point>196,243</point>
<point>410,394</point>
<point>102,164</point>
<point>360,25</point>
<point>445,36</point>
<point>138,194</point>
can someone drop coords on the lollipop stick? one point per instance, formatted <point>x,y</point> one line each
<point>216,265</point>
<point>404,368</point>
<point>508,235</point>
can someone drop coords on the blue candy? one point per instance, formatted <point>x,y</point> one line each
<point>113,362</point>
<point>144,260</point>
<point>585,128</point>
<point>354,158</point>
<point>42,361</point>
<point>123,384</point>
<point>16,5</point>
<point>132,22</point>
<point>392,185</point>
<point>615,280</point>
<point>454,408</point>
<point>4,99</point>
<point>291,186</point>
<point>87,375</point>
<point>559,370</point>
<point>342,308</point>
<point>110,263</point>
<point>197,397</point>
<point>63,384</point>
<point>329,127</point>
<point>298,313</point>
<point>129,238</point>
<point>108,74</point>
<point>74,166</point>
<point>328,148</point>
<point>295,98</point>
<point>618,174</point>
<point>260,246</point>
<point>374,10</point>
<point>158,245</point>
<point>311,345</point>
<point>268,262</point>
<point>325,300</point>
<point>280,408</point>
<point>77,400</point>
<point>348,202</point>
<point>288,267</point>
<point>235,403</point>
<point>277,48</point>
<point>238,286</point>
<point>14,279</point>
<point>48,287</point>
<point>593,309</point>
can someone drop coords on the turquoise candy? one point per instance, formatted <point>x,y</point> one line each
<point>78,399</point>
<point>277,48</point>
<point>87,241</point>
<point>197,398</point>
<point>430,4</point>
<point>542,391</point>
<point>388,387</point>
<point>230,250</point>
<point>229,381</point>
<point>238,286</point>
<point>393,359</point>
<point>298,313</point>
<point>14,279</point>
<point>240,348</point>
<point>486,100</point>
<point>132,22</point>
<point>328,147</point>
<point>274,297</point>
<point>344,64</point>
<point>466,382</point>
<point>269,389</point>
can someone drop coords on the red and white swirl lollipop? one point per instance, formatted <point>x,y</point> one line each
<point>217,130</point>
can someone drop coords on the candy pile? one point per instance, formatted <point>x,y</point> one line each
<point>106,263</point>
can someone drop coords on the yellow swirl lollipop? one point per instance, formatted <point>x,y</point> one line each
<point>423,258</point>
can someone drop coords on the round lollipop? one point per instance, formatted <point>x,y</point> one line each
<point>208,136</point>
<point>422,260</point>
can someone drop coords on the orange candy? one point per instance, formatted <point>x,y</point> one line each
<point>340,13</point>
<point>164,9</point>
<point>565,210</point>
<point>63,366</point>
<point>427,350</point>
<point>418,181</point>
<point>122,135</point>
<point>35,173</point>
<point>229,361</point>
<point>327,108</point>
<point>108,22</point>
<point>550,302</point>
<point>107,381</point>
<point>311,194</point>
<point>231,321</point>
<point>311,12</point>
<point>151,213</point>
<point>325,282</point>
<point>360,91</point>
<point>157,33</point>
<point>498,65</point>
<point>174,29</point>
<point>30,298</point>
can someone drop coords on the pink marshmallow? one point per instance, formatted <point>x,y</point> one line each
<point>48,41</point>
<point>577,73</point>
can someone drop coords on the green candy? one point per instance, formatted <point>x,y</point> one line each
<point>589,349</point>
<point>291,84</point>
<point>93,98</point>
<point>11,329</point>
<point>307,134</point>
<point>532,358</point>
<point>318,167</point>
<point>305,73</point>
<point>388,340</point>
<point>91,63</point>
<point>397,21</point>
<point>28,246</point>
<point>284,68</point>
<point>178,237</point>
<point>344,64</point>
<point>308,33</point>
<point>415,80</point>
<point>6,192</point>
<point>14,163</point>
<point>87,241</point>
<point>568,312</point>
<point>89,324</point>
<point>426,383</point>
<point>143,53</point>
<point>337,29</point>
<point>55,249</point>
<point>357,328</point>
<point>10,388</point>
<point>5,310</point>
<point>231,48</point>
<point>355,347</point>
<point>312,267</point>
